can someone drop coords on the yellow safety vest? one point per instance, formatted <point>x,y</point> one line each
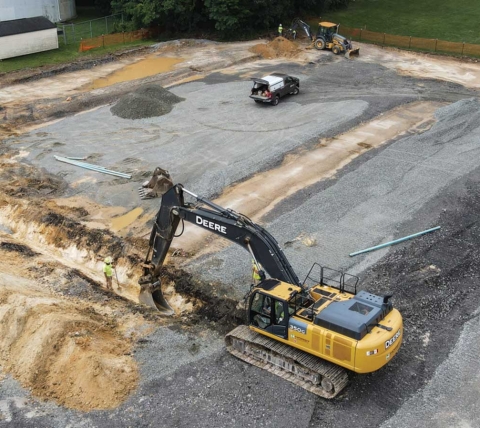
<point>280,28</point>
<point>107,269</point>
<point>256,276</point>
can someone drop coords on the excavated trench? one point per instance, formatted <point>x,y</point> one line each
<point>62,335</point>
<point>43,227</point>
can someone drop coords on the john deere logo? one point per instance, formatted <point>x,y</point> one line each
<point>391,341</point>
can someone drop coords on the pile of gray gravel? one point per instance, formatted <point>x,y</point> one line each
<point>146,101</point>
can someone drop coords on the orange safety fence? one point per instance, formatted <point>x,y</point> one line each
<point>470,49</point>
<point>432,45</point>
<point>399,41</point>
<point>116,39</point>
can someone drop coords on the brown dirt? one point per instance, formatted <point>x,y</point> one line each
<point>72,350</point>
<point>22,180</point>
<point>61,349</point>
<point>28,75</point>
<point>279,47</point>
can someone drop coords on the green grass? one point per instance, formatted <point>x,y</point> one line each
<point>69,52</point>
<point>64,54</point>
<point>455,21</point>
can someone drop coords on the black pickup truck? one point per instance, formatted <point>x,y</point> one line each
<point>271,88</point>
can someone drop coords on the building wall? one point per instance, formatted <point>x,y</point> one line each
<point>54,10</point>
<point>27,43</point>
<point>67,9</point>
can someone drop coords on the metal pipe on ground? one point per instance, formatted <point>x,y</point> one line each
<point>92,167</point>
<point>396,241</point>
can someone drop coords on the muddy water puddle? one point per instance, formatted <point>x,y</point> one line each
<point>121,222</point>
<point>143,68</point>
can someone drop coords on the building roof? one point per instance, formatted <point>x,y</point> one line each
<point>25,25</point>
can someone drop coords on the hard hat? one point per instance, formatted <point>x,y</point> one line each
<point>108,260</point>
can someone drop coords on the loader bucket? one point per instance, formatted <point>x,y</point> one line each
<point>156,300</point>
<point>352,52</point>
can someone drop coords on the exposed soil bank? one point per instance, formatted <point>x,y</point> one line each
<point>63,350</point>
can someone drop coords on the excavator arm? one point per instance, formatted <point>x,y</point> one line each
<point>226,223</point>
<point>298,23</point>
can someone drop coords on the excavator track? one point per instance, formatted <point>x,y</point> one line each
<point>311,373</point>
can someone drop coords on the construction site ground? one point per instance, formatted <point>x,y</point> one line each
<point>372,149</point>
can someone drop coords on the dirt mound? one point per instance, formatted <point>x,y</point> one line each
<point>279,47</point>
<point>21,180</point>
<point>146,101</point>
<point>62,350</point>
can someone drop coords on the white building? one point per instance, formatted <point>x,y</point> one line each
<point>54,10</point>
<point>25,36</point>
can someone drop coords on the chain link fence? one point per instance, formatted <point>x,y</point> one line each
<point>407,42</point>
<point>74,33</point>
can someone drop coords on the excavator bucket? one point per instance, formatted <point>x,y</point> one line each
<point>352,52</point>
<point>156,300</point>
<point>160,183</point>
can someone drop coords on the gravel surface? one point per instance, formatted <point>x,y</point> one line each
<point>188,380</point>
<point>357,212</point>
<point>416,182</point>
<point>459,375</point>
<point>223,141</point>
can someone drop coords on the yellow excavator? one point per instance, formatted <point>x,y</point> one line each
<point>327,37</point>
<point>308,333</point>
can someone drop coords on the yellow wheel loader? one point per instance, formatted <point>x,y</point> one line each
<point>309,333</point>
<point>327,37</point>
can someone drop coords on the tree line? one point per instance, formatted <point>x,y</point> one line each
<point>229,18</point>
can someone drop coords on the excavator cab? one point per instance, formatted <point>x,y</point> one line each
<point>270,311</point>
<point>326,30</point>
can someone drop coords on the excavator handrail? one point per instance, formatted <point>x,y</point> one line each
<point>339,280</point>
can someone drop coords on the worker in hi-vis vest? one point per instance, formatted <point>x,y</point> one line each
<point>280,30</point>
<point>108,272</point>
<point>256,273</point>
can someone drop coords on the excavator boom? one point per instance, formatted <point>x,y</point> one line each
<point>298,23</point>
<point>228,224</point>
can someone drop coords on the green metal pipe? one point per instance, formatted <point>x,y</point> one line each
<point>377,247</point>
